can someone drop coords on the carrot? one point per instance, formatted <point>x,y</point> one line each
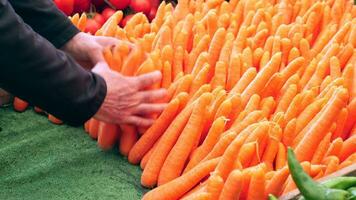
<point>150,173</point>
<point>348,74</point>
<point>54,120</point>
<point>93,128</point>
<point>219,78</point>
<point>274,185</point>
<point>308,114</point>
<point>262,78</point>
<point>321,149</point>
<point>215,185</point>
<point>227,48</point>
<point>244,81</point>
<point>281,156</point>
<point>292,110</point>
<point>286,99</point>
<point>253,103</point>
<point>267,105</point>
<point>108,135</point>
<point>132,62</point>
<point>20,105</point>
<point>202,46</point>
<point>177,66</point>
<point>289,132</point>
<point>258,182</point>
<point>247,151</point>
<point>179,186</point>
<point>348,148</point>
<point>234,71</point>
<point>332,163</point>
<point>174,163</point>
<point>216,44</point>
<point>232,186</point>
<point>200,79</point>
<point>273,85</point>
<point>351,117</point>
<point>128,139</point>
<point>142,146</point>
<point>271,150</point>
<point>184,84</point>
<point>212,137</point>
<point>314,134</point>
<point>340,123</point>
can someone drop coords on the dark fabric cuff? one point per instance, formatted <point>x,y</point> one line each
<point>66,34</point>
<point>94,105</point>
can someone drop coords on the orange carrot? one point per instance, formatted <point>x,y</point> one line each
<point>128,139</point>
<point>174,163</point>
<point>212,137</point>
<point>20,105</point>
<point>93,128</point>
<point>274,186</point>
<point>258,183</point>
<point>108,135</point>
<point>244,81</point>
<point>281,156</point>
<point>232,186</point>
<point>179,186</point>
<point>348,148</point>
<point>234,71</point>
<point>219,78</point>
<point>154,132</point>
<point>262,78</point>
<point>215,185</point>
<point>289,132</point>
<point>321,150</point>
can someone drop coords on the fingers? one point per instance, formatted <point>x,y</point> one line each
<point>152,95</point>
<point>139,121</point>
<point>146,109</point>
<point>147,80</point>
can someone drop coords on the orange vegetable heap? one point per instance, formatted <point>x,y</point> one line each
<point>245,80</point>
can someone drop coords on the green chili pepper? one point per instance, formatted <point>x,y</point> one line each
<point>310,189</point>
<point>272,197</point>
<point>352,191</point>
<point>341,183</point>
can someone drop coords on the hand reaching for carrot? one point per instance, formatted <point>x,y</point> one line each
<point>127,100</point>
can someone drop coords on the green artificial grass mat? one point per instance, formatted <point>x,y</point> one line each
<point>40,160</point>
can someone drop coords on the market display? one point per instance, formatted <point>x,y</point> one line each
<point>246,80</point>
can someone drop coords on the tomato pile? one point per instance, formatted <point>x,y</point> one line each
<point>99,11</point>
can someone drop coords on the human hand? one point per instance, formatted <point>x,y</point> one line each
<point>87,49</point>
<point>127,101</point>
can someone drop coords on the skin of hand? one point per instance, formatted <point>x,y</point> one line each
<point>127,100</point>
<point>87,49</point>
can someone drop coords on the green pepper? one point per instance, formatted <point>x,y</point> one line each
<point>352,191</point>
<point>310,189</point>
<point>272,197</point>
<point>341,183</point>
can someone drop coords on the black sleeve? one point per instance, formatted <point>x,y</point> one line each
<point>46,19</point>
<point>33,69</point>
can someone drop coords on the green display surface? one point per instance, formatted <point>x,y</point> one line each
<point>40,160</point>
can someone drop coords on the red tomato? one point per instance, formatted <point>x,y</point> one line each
<point>98,3</point>
<point>81,5</point>
<point>120,4</point>
<point>154,4</point>
<point>99,18</point>
<point>125,20</point>
<point>152,13</point>
<point>92,26</point>
<point>107,12</point>
<point>141,6</point>
<point>65,6</point>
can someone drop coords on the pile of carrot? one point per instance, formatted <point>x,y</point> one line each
<point>245,80</point>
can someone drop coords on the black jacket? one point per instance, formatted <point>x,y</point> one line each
<point>33,68</point>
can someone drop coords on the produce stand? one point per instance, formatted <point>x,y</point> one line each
<point>39,160</point>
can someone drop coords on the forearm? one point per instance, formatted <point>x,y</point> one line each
<point>33,69</point>
<point>44,17</point>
